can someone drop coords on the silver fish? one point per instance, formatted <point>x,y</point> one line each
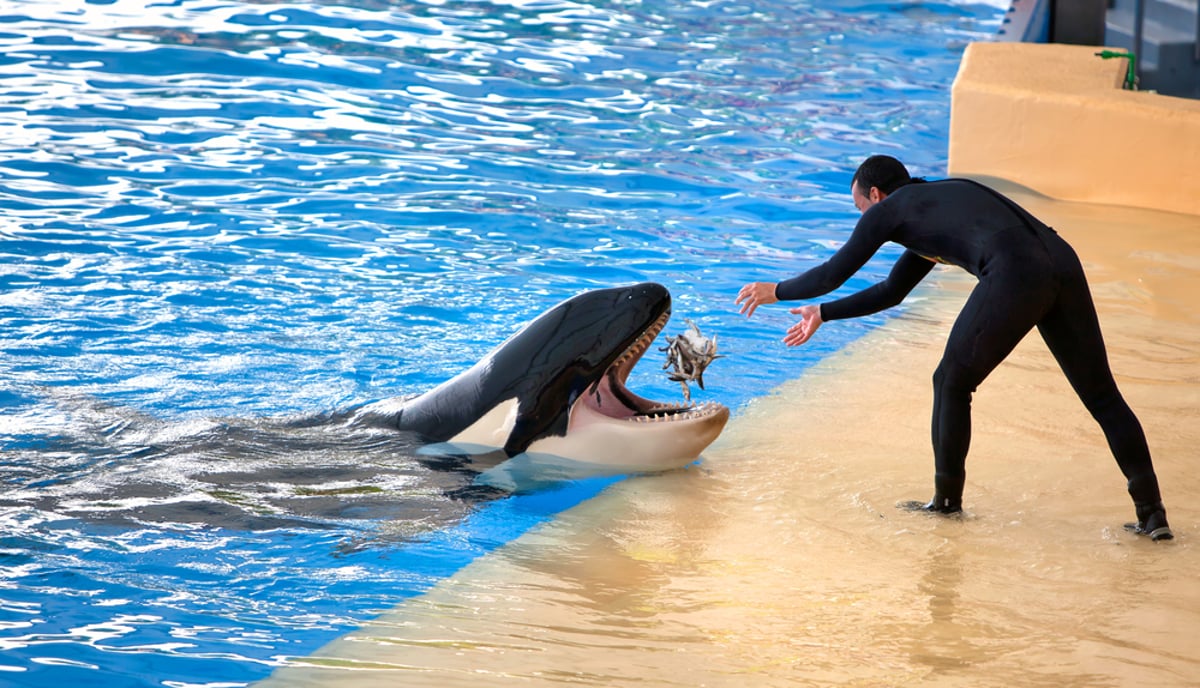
<point>688,354</point>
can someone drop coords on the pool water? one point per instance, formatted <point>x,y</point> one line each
<point>223,222</point>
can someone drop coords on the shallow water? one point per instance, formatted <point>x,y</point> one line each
<point>220,223</point>
<point>781,560</point>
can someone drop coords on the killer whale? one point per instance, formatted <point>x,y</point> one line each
<point>548,405</point>
<point>555,392</point>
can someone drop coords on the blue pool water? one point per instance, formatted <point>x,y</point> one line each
<point>221,220</point>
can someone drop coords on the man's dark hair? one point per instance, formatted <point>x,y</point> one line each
<point>882,172</point>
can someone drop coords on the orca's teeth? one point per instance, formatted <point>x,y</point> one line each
<point>673,412</point>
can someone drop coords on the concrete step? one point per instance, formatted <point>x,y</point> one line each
<point>1174,77</point>
<point>1178,13</point>
<point>1167,57</point>
<point>1156,36</point>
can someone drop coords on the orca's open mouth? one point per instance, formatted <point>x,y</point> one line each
<point>610,397</point>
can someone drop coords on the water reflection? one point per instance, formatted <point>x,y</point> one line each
<point>945,639</point>
<point>113,465</point>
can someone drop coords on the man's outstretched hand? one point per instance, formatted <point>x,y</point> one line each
<point>801,332</point>
<point>754,295</point>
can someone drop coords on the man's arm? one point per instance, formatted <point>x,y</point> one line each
<point>869,234</point>
<point>910,269</point>
<point>872,230</point>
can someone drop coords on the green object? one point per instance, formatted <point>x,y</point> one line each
<point>1130,73</point>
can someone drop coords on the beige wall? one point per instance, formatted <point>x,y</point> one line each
<point>1054,118</point>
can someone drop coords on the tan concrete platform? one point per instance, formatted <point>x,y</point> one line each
<point>1054,118</point>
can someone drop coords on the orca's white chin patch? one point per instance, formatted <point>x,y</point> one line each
<point>671,437</point>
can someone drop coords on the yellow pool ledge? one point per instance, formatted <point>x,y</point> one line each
<point>1055,119</point>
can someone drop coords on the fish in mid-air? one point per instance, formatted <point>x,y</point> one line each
<point>688,354</point>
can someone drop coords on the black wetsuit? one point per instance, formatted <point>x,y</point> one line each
<point>1028,276</point>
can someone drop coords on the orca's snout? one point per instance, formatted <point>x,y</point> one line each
<point>651,291</point>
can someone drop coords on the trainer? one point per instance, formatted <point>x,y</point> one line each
<point>1028,276</point>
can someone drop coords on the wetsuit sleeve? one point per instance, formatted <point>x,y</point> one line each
<point>910,269</point>
<point>868,235</point>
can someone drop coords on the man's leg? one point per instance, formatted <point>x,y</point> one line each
<point>1071,330</point>
<point>997,315</point>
